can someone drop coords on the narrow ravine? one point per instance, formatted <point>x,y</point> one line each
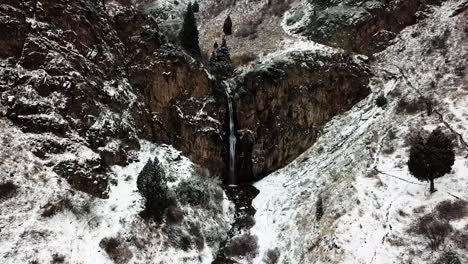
<point>240,194</point>
<point>242,197</point>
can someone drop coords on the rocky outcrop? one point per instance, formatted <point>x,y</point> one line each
<point>99,74</point>
<point>283,104</point>
<point>356,26</point>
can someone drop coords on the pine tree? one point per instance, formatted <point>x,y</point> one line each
<point>152,185</point>
<point>195,7</point>
<point>223,43</point>
<point>188,35</point>
<point>227,26</point>
<point>220,61</point>
<point>432,158</point>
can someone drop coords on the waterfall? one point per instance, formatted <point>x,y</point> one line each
<point>232,140</point>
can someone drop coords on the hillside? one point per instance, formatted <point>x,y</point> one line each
<point>118,145</point>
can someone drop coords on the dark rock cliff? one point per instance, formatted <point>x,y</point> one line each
<point>282,106</point>
<point>103,76</point>
<point>99,74</point>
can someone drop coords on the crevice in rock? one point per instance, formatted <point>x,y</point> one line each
<point>242,197</point>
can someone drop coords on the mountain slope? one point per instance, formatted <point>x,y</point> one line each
<point>358,165</point>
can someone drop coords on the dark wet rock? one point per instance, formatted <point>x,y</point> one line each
<point>282,105</point>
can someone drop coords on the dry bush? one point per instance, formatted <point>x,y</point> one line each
<point>451,210</point>
<point>243,245</point>
<point>448,257</point>
<point>245,30</point>
<point>460,239</point>
<point>244,58</point>
<point>433,229</point>
<point>174,215</point>
<point>58,258</point>
<point>54,207</point>
<point>272,256</point>
<point>116,249</point>
<point>410,106</point>
<point>278,7</point>
<point>7,189</point>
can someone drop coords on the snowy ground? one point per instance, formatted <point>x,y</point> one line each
<point>368,195</point>
<point>75,230</point>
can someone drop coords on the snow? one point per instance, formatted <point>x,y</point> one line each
<point>364,188</point>
<point>75,233</point>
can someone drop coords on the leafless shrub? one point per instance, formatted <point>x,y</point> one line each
<point>278,7</point>
<point>413,137</point>
<point>245,30</point>
<point>433,229</point>
<point>7,189</point>
<point>388,149</point>
<point>410,106</point>
<point>54,207</point>
<point>116,249</point>
<point>197,236</point>
<point>448,257</point>
<point>174,215</point>
<point>460,239</point>
<point>402,213</point>
<point>451,210</point>
<point>419,209</point>
<point>58,258</point>
<point>63,203</point>
<point>243,245</point>
<point>244,58</point>
<point>272,256</point>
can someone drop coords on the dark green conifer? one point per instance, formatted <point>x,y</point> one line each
<point>227,26</point>
<point>188,35</point>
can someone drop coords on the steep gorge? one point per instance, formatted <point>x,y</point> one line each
<point>283,104</point>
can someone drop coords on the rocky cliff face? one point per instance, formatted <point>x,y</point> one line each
<point>360,26</point>
<point>283,104</point>
<point>102,76</point>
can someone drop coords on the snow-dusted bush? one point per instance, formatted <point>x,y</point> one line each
<point>117,250</point>
<point>271,256</point>
<point>7,189</point>
<point>448,257</point>
<point>65,203</point>
<point>192,191</point>
<point>451,210</point>
<point>198,190</point>
<point>435,230</point>
<point>319,208</point>
<point>245,245</point>
<point>152,185</point>
<point>174,215</point>
<point>381,101</point>
<point>186,236</point>
<point>410,106</point>
<point>58,258</point>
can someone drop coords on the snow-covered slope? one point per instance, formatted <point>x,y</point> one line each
<point>358,165</point>
<point>46,220</point>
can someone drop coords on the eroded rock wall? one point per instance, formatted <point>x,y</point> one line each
<point>99,74</point>
<point>282,105</point>
<point>360,26</point>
